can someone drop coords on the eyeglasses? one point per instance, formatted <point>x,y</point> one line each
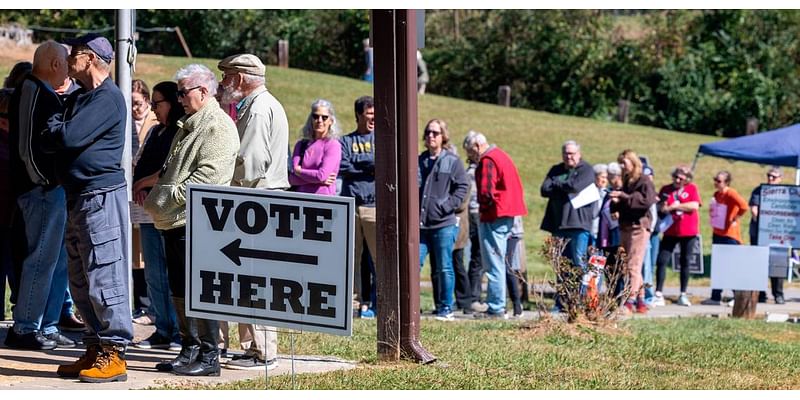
<point>183,92</point>
<point>679,178</point>
<point>430,131</point>
<point>75,54</point>
<point>770,176</point>
<point>320,116</point>
<point>717,180</point>
<point>154,104</point>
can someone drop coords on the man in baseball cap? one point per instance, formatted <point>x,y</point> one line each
<point>96,43</point>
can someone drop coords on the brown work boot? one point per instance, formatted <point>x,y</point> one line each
<point>85,362</point>
<point>109,366</point>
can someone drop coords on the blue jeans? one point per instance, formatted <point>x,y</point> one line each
<point>155,275</point>
<point>439,242</point>
<point>44,271</point>
<point>575,250</point>
<point>647,268</point>
<point>494,245</point>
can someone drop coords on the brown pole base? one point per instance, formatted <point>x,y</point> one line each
<point>411,349</point>
<point>744,304</point>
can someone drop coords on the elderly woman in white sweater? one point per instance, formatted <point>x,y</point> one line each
<point>203,151</point>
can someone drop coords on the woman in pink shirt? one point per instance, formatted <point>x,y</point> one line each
<point>316,157</point>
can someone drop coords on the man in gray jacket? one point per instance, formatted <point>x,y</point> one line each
<point>262,162</point>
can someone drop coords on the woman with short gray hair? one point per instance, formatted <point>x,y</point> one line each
<point>316,157</point>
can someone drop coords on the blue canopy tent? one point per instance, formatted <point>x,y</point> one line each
<point>777,147</point>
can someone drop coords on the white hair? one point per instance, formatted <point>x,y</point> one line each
<point>600,169</point>
<point>308,128</point>
<point>253,80</point>
<point>198,75</point>
<point>570,143</point>
<point>474,137</point>
<point>614,168</point>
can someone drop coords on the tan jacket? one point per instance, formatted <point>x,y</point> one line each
<point>264,135</point>
<point>203,151</point>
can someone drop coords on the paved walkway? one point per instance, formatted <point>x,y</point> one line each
<point>37,369</point>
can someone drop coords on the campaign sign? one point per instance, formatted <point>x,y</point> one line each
<point>275,258</point>
<point>779,216</point>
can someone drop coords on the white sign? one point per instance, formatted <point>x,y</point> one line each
<point>779,216</point>
<point>275,258</point>
<point>739,267</point>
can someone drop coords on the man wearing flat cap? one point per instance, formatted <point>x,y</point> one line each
<point>261,163</point>
<point>88,140</point>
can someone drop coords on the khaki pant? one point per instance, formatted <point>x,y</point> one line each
<point>634,240</point>
<point>365,229</point>
<point>251,340</point>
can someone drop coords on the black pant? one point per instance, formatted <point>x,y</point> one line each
<point>475,264</point>
<point>205,332</point>
<point>367,272</point>
<point>463,284</point>
<point>665,253</point>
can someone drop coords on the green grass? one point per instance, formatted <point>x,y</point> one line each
<point>695,353</point>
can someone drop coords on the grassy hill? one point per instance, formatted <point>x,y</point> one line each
<point>533,139</point>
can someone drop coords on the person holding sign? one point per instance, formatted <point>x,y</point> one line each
<point>562,218</point>
<point>633,204</point>
<point>727,207</point>
<point>774,177</point>
<point>680,200</point>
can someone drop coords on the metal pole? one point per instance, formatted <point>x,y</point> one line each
<point>122,69</point>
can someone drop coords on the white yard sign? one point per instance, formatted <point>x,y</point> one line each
<point>275,258</point>
<point>779,216</point>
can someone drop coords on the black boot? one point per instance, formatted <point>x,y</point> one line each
<point>190,343</point>
<point>207,363</point>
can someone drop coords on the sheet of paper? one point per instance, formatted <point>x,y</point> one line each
<point>588,195</point>
<point>719,213</point>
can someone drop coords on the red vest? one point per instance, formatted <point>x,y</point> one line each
<point>500,191</point>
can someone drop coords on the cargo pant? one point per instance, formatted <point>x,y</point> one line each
<point>98,263</point>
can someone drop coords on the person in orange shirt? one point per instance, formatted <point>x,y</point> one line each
<point>726,210</point>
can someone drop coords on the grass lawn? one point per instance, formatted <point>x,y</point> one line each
<point>696,353</point>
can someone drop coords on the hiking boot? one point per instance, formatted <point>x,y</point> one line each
<point>28,341</point>
<point>61,340</point>
<point>71,323</point>
<point>109,366</point>
<point>683,300</point>
<point>84,362</point>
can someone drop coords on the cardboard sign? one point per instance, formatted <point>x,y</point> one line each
<point>739,267</point>
<point>779,216</point>
<point>275,258</point>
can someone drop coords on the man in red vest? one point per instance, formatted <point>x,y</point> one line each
<point>500,199</point>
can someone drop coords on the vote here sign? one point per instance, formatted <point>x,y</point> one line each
<point>275,258</point>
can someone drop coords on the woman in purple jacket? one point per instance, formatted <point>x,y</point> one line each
<point>316,157</point>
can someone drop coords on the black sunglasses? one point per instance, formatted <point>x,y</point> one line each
<point>183,92</point>
<point>320,116</point>
<point>769,176</point>
<point>154,104</point>
<point>429,131</point>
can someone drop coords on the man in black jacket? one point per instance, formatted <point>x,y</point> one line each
<point>443,186</point>
<point>42,204</point>
<point>561,218</point>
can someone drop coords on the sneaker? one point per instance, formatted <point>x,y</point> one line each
<point>71,323</point>
<point>780,300</point>
<point>367,314</point>
<point>490,315</point>
<point>155,341</point>
<point>61,340</point>
<point>248,362</point>
<point>658,300</point>
<point>445,315</point>
<point>175,345</point>
<point>711,302</point>
<point>683,300</point>
<point>730,303</point>
<point>479,307</point>
<point>145,319</point>
<point>641,308</point>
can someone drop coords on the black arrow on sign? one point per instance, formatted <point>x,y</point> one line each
<point>234,251</point>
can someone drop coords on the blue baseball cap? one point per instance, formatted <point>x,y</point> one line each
<point>95,42</point>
